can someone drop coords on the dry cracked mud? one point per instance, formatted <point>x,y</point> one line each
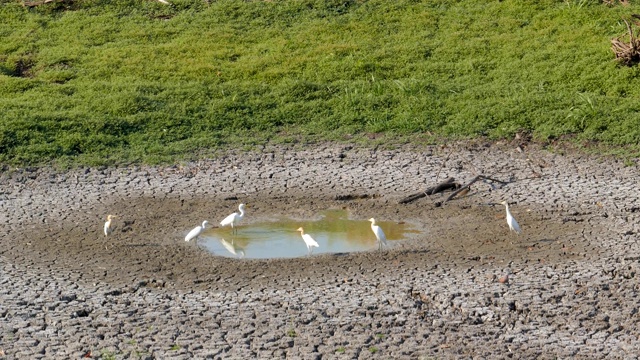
<point>466,287</point>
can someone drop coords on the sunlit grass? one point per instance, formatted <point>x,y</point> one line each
<point>100,82</point>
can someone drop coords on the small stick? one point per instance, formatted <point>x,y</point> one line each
<point>476,178</point>
<point>449,183</point>
<point>443,163</point>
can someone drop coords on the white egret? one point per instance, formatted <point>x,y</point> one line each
<point>377,230</point>
<point>107,225</point>
<point>196,231</point>
<point>513,224</point>
<point>311,243</point>
<point>234,218</point>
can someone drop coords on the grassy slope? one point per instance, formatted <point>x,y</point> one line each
<point>118,81</point>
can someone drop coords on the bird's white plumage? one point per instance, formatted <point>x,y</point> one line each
<point>234,218</point>
<point>308,240</point>
<point>513,224</point>
<point>196,231</point>
<point>377,231</point>
<point>107,225</point>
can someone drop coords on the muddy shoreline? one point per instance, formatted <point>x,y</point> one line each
<point>571,290</point>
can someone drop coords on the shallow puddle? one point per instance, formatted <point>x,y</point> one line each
<point>335,233</point>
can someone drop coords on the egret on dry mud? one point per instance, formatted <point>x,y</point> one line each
<point>234,218</point>
<point>311,243</point>
<point>513,224</point>
<point>377,230</point>
<point>107,225</point>
<point>196,231</point>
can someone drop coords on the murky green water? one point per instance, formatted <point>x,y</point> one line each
<point>335,233</point>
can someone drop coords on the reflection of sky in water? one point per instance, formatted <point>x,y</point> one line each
<point>335,233</point>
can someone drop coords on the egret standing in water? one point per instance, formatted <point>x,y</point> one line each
<point>107,225</point>
<point>196,231</point>
<point>311,243</point>
<point>233,219</point>
<point>513,224</point>
<point>377,231</point>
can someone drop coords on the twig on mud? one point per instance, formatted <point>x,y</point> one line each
<point>446,185</point>
<point>443,163</point>
<point>350,197</point>
<point>476,178</point>
<point>450,184</point>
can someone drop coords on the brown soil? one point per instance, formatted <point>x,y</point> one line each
<point>54,224</point>
<point>151,248</point>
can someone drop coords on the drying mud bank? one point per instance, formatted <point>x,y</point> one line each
<point>467,287</point>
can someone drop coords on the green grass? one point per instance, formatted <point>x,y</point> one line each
<point>107,355</point>
<point>102,82</point>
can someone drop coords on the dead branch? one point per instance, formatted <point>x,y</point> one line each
<point>446,185</point>
<point>467,185</point>
<point>626,53</point>
<point>350,197</point>
<point>443,163</point>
